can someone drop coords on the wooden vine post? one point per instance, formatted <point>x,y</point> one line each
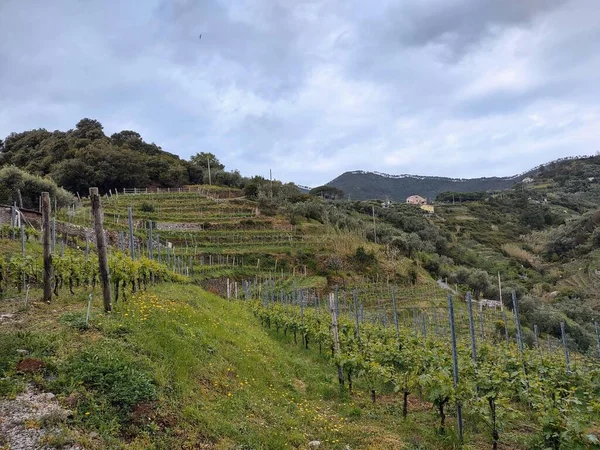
<point>150,249</point>
<point>13,221</point>
<point>101,246</point>
<point>46,246</point>
<point>336,337</point>
<point>355,298</point>
<point>131,243</point>
<point>22,229</point>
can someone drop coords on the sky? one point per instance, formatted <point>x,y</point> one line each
<point>314,88</point>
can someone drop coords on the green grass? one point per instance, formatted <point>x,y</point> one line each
<point>176,367</point>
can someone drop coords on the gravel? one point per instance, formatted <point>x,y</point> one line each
<point>25,420</point>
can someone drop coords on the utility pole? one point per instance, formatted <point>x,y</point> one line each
<point>374,229</point>
<point>500,292</point>
<point>209,178</point>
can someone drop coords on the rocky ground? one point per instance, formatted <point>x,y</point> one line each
<point>33,421</point>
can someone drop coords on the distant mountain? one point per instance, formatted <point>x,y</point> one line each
<point>362,185</point>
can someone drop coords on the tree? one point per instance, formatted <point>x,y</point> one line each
<point>207,167</point>
<point>31,187</point>
<point>122,137</point>
<point>533,217</point>
<point>89,129</point>
<point>203,158</point>
<point>175,175</point>
<point>195,173</point>
<point>328,192</point>
<point>133,141</point>
<point>251,190</point>
<point>231,179</point>
<point>479,281</point>
<point>74,175</point>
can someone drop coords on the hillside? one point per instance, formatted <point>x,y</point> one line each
<point>361,185</point>
<point>174,366</point>
<point>199,371</point>
<point>221,336</point>
<point>542,237</point>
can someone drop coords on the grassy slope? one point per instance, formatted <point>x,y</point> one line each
<point>222,381</point>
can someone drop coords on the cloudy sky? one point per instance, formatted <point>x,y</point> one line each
<point>312,88</point>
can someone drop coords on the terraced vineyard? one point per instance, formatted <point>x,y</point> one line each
<point>387,333</point>
<point>210,235</point>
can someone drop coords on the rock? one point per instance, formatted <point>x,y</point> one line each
<point>72,400</point>
<point>94,435</point>
<point>314,444</point>
<point>31,407</point>
<point>30,365</point>
<point>554,294</point>
<point>22,352</point>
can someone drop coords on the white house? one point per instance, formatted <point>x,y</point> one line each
<point>416,200</point>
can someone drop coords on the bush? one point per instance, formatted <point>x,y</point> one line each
<point>267,206</point>
<point>31,188</point>
<point>38,345</point>
<point>363,258</point>
<point>413,275</point>
<point>147,207</point>
<point>335,263</point>
<point>430,262</point>
<point>251,191</point>
<point>112,373</point>
<point>75,320</point>
<point>534,312</point>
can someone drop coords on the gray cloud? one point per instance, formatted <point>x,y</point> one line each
<point>312,88</point>
<point>461,24</point>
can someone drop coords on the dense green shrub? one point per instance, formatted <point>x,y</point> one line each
<point>363,259</point>
<point>147,207</point>
<point>535,312</point>
<point>31,187</point>
<point>112,373</point>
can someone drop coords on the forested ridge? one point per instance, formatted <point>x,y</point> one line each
<point>85,156</point>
